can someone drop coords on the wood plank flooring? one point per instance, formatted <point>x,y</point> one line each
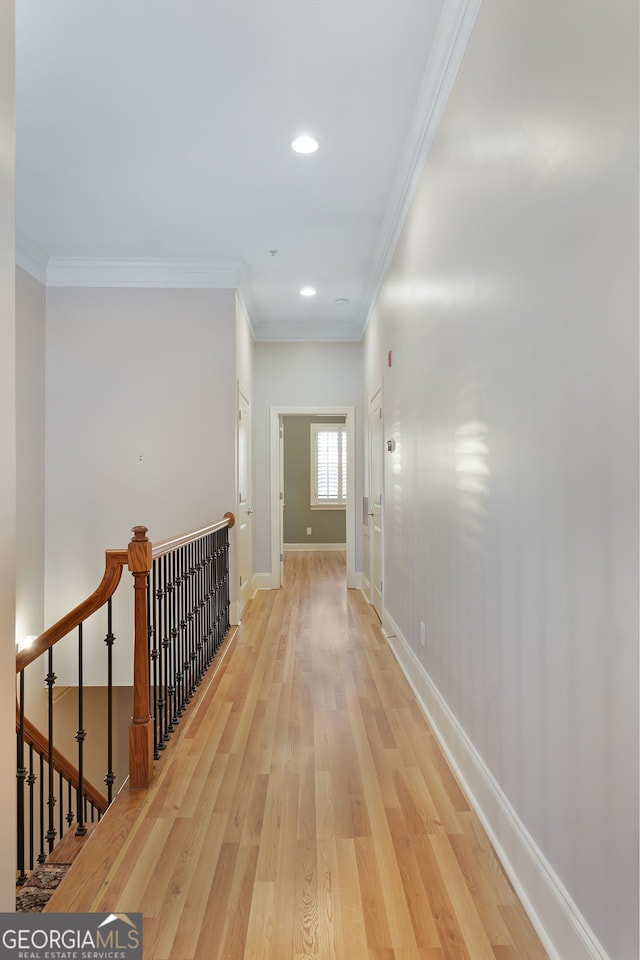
<point>305,809</point>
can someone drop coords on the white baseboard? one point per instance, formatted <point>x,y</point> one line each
<point>262,581</point>
<point>234,613</point>
<point>561,927</point>
<point>365,587</point>
<point>312,547</point>
<point>357,582</point>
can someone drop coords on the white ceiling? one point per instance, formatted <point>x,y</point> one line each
<point>153,145</point>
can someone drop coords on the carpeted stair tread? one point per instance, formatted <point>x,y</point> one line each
<point>35,892</point>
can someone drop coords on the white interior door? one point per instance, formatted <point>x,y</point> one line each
<point>244,535</point>
<point>281,500</point>
<point>376,442</point>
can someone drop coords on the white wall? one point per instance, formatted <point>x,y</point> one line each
<point>30,444</point>
<point>301,375</point>
<point>7,455</point>
<point>141,394</point>
<point>511,501</point>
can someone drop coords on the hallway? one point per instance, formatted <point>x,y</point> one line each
<point>304,808</point>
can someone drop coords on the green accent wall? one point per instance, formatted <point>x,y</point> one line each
<point>327,526</point>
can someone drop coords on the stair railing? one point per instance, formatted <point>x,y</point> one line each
<point>180,619</point>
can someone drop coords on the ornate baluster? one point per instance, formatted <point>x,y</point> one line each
<point>31,781</point>
<point>50,680</point>
<point>21,777</point>
<point>60,805</point>
<point>80,737</point>
<point>110,776</point>
<point>42,855</point>
<point>170,669</point>
<point>154,628</point>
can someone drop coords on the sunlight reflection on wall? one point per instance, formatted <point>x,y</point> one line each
<point>472,482</point>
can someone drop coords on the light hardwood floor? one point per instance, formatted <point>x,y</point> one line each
<point>305,808</point>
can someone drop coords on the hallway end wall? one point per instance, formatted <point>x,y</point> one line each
<point>302,375</point>
<point>511,503</point>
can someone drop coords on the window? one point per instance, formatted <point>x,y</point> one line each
<point>328,465</point>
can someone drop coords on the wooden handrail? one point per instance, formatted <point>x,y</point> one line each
<point>166,546</point>
<point>61,764</point>
<point>114,562</point>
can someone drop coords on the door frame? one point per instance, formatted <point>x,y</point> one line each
<point>249,587</point>
<point>276,481</point>
<point>370,518</point>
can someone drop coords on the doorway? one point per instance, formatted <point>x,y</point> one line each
<point>375,501</point>
<point>277,485</point>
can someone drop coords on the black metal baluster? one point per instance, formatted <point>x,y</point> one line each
<point>155,639</point>
<point>110,776</point>
<point>169,646</point>
<point>182,623</point>
<point>80,737</point>
<point>188,668</point>
<point>175,638</point>
<point>219,596</point>
<point>214,599</point>
<point>70,814</point>
<point>195,638</point>
<point>50,680</point>
<point>193,655</point>
<point>42,855</point>
<point>205,603</point>
<point>60,805</point>
<point>198,612</point>
<point>226,581</point>
<point>21,777</point>
<point>202,605</point>
<point>213,596</point>
<point>31,780</point>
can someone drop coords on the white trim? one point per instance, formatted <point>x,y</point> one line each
<point>317,411</point>
<point>263,581</point>
<point>31,258</point>
<point>312,547</point>
<point>234,613</point>
<point>314,503</point>
<point>245,296</point>
<point>561,927</point>
<point>452,37</point>
<point>104,272</point>
<point>364,587</point>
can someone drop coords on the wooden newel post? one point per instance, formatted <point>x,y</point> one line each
<point>141,727</point>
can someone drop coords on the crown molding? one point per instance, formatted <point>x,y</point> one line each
<point>450,43</point>
<point>31,258</point>
<point>245,296</point>
<point>104,272</point>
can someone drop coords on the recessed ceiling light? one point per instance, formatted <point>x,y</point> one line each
<point>305,144</point>
<point>307,292</point>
